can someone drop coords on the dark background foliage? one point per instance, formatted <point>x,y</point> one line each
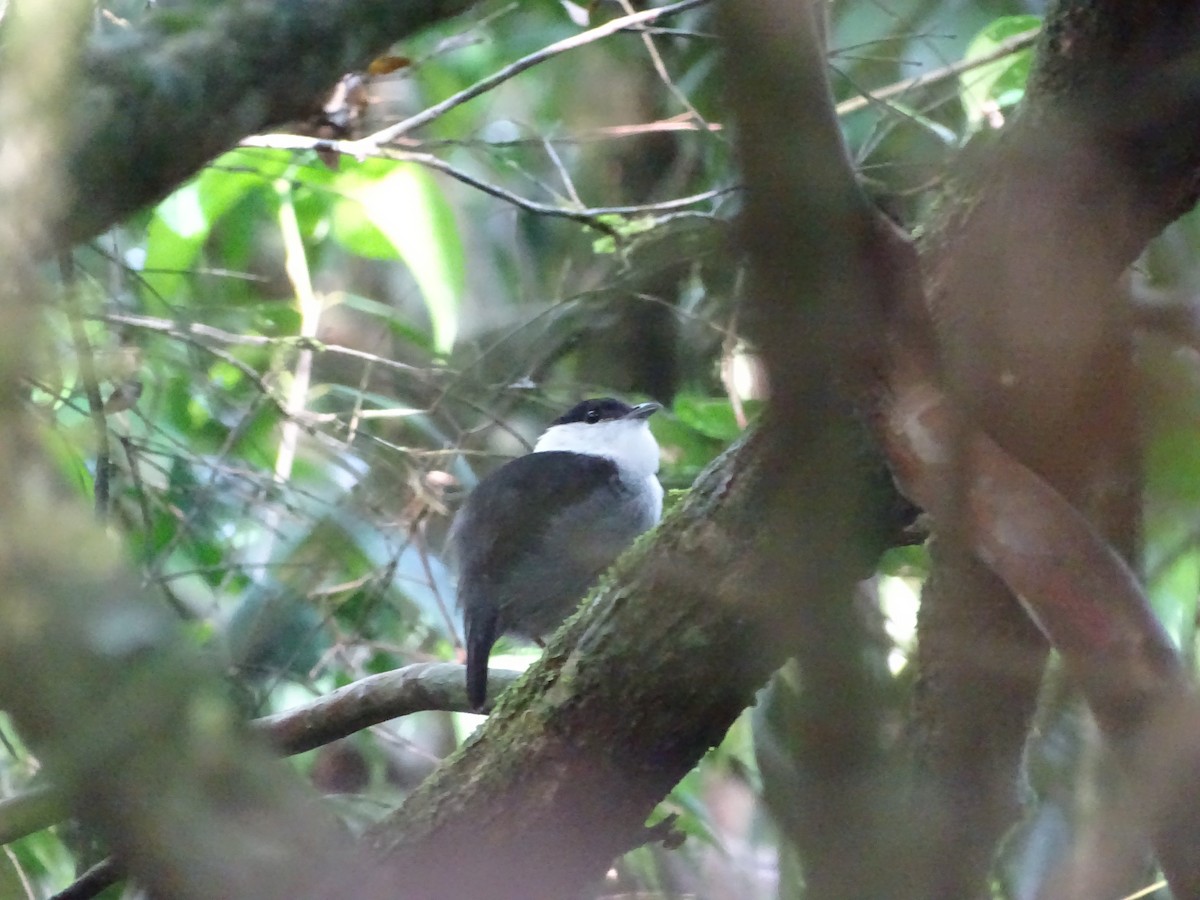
<point>274,361</point>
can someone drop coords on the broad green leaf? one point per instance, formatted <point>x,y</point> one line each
<point>43,856</point>
<point>403,207</point>
<point>173,240</point>
<point>1173,462</point>
<point>1173,590</point>
<point>183,221</point>
<point>354,230</point>
<point>1171,427</point>
<point>999,84</point>
<point>711,417</point>
<point>182,213</point>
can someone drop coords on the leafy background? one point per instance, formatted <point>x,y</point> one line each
<point>330,356</point>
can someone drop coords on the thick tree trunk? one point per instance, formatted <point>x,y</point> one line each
<point>155,104</point>
<point>759,563</point>
<point>1022,269</point>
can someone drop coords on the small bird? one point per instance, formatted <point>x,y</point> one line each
<point>536,534</point>
<point>124,396</point>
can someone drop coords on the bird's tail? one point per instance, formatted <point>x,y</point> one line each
<point>481,635</point>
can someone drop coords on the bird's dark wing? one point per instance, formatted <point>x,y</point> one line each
<point>514,506</point>
<point>510,511</point>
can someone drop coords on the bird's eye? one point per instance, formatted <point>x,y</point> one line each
<point>593,416</point>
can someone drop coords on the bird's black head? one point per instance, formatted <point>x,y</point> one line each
<point>600,409</point>
<point>605,409</point>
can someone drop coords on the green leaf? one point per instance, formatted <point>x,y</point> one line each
<point>711,417</point>
<point>626,227</point>
<point>999,84</point>
<point>354,230</point>
<point>1173,462</point>
<point>397,323</point>
<point>44,857</point>
<point>402,207</point>
<point>183,221</point>
<point>173,239</point>
<point>1173,590</point>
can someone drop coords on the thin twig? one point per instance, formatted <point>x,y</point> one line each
<point>91,383</point>
<point>563,174</point>
<point>670,125</point>
<point>370,144</point>
<point>590,216</point>
<point>192,331</point>
<point>389,134</point>
<point>418,534</point>
<point>1014,44</point>
<point>587,217</point>
<point>356,414</point>
<point>139,486</point>
<point>660,68</point>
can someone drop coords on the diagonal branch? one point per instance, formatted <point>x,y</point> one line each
<point>1079,591</point>
<point>392,132</point>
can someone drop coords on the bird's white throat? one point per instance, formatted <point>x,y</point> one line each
<point>627,442</point>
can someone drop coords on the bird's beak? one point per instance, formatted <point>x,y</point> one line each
<point>643,410</point>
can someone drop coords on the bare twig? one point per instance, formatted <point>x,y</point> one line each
<point>192,331</point>
<point>91,384</point>
<point>660,68</point>
<point>589,216</point>
<point>1014,44</point>
<point>372,700</point>
<point>420,687</point>
<point>557,162</point>
<point>671,125</point>
<point>370,144</point>
<point>389,134</point>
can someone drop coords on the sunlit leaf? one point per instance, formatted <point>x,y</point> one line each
<point>712,417</point>
<point>1175,573</point>
<point>181,223</point>
<point>406,208</point>
<point>996,85</point>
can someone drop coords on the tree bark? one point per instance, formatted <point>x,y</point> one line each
<point>118,707</point>
<point>759,563</point>
<point>154,104</point>
<point>1022,270</point>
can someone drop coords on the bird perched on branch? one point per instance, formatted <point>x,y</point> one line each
<point>536,534</point>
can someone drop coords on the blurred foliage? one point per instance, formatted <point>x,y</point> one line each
<point>330,353</point>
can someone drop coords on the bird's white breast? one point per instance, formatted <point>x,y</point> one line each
<point>627,442</point>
